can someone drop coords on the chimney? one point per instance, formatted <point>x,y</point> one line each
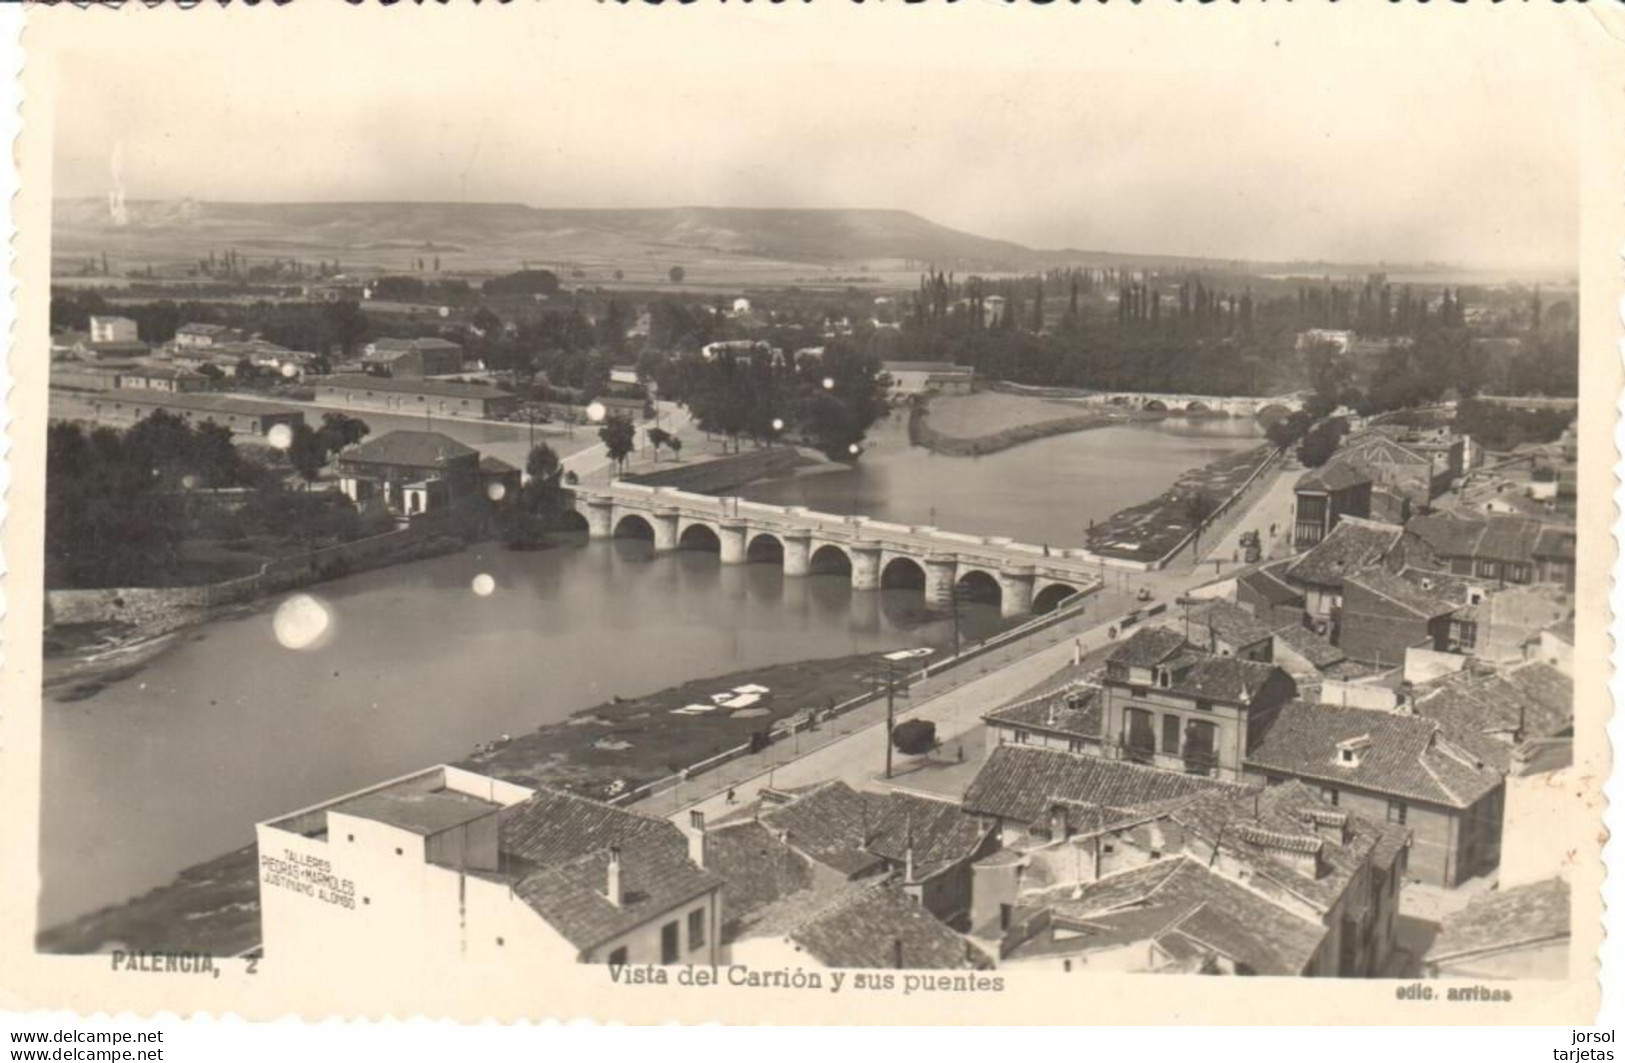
<point>612,885</point>
<point>698,841</point>
<point>897,953</point>
<point>908,864</point>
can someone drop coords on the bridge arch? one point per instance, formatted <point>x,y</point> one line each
<point>571,520</point>
<point>699,536</point>
<point>634,526</point>
<point>903,572</point>
<point>765,547</point>
<point>1156,404</point>
<point>1196,406</point>
<point>830,560</point>
<point>1051,596</point>
<point>979,585</point>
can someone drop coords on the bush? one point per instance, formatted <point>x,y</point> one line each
<point>914,736</point>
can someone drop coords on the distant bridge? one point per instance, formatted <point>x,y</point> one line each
<point>1025,577</point>
<point>1234,405</point>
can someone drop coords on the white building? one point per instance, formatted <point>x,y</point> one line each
<point>112,330</point>
<point>446,867</point>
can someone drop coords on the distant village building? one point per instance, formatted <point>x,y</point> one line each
<point>1342,339</point>
<point>1354,544</point>
<point>172,379</point>
<point>246,419</point>
<point>426,356</point>
<point>436,398</point>
<point>1500,548</point>
<point>110,329</point>
<point>410,472</point>
<point>194,336</point>
<point>446,868</point>
<point>922,378</point>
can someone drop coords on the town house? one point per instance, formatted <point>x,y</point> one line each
<point>1173,706</point>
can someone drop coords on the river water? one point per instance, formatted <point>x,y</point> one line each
<point>173,765</point>
<point>1046,491</point>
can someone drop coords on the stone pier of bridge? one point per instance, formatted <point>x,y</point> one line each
<point>870,548</point>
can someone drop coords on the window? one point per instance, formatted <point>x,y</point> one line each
<point>696,928</point>
<point>1203,706</point>
<point>1138,692</point>
<point>1022,737</point>
<point>1076,745</point>
<point>668,943</point>
<point>1170,735</point>
<point>1397,812</point>
<point>1328,795</point>
<point>617,958</point>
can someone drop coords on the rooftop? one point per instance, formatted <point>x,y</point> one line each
<point>1074,711</point>
<point>856,831</point>
<point>200,402</point>
<point>421,813</point>
<point>1401,592</point>
<point>871,925</point>
<point>1353,544</point>
<point>1505,919</point>
<point>451,389</point>
<point>1147,648</point>
<point>1319,652</point>
<point>409,447</point>
<point>1405,759</point>
<point>1338,474</point>
<point>1232,624</point>
<point>1022,783</point>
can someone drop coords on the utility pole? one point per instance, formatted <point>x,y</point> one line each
<point>891,691</point>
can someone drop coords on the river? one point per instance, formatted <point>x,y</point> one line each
<point>1045,491</point>
<point>173,765</point>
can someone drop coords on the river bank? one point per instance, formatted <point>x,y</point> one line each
<point>213,907</point>
<point>624,744</point>
<point>987,422</point>
<point>1154,529</point>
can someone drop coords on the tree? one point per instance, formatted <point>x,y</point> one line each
<point>1321,442</point>
<point>912,737</point>
<point>307,453</point>
<point>675,445</point>
<point>341,430</point>
<point>677,273</point>
<point>1197,509</point>
<point>1285,431</point>
<point>658,437</point>
<point>620,439</point>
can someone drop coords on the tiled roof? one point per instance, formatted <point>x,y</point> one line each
<point>1232,679</point>
<point>656,877</point>
<point>1339,474</point>
<point>1232,624</point>
<point>409,447</point>
<point>555,827</point>
<point>224,404</point>
<point>1555,543</point>
<point>1210,914</point>
<point>1403,593</point>
<point>396,346</point>
<point>1075,712</point>
<point>1448,534</point>
<point>855,832</point>
<point>757,868</point>
<point>1505,919</point>
<point>1533,700</point>
<point>1405,759</point>
<point>559,846</point>
<point>1353,544</point>
<point>1147,648</point>
<point>875,926</point>
<point>1022,783</point>
<point>421,813</point>
<point>1268,584</point>
<point>1308,645</point>
<point>1508,538</point>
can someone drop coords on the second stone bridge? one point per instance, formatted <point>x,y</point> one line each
<point>1025,577</point>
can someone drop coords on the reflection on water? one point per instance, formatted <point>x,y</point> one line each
<point>174,765</point>
<point>1048,490</point>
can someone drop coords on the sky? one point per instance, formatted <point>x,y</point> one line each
<point>1282,137</point>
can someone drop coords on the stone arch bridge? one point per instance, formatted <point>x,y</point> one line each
<point>1026,578</point>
